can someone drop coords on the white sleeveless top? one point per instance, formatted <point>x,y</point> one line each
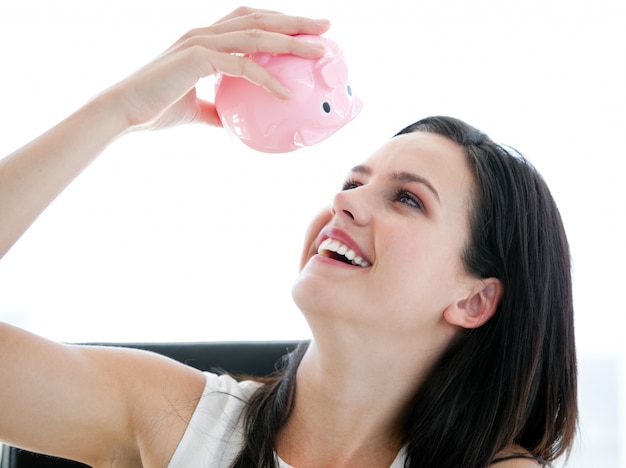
<point>214,435</point>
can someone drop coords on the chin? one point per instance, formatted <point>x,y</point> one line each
<point>313,296</point>
<point>304,292</point>
<point>323,305</point>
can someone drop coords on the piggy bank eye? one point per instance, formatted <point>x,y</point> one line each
<point>326,107</point>
<point>349,90</point>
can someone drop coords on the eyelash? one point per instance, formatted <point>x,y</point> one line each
<point>350,184</point>
<point>398,195</point>
<point>414,201</point>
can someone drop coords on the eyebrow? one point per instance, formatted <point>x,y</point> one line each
<point>402,176</point>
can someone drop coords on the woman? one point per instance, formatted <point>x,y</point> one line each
<point>436,287</point>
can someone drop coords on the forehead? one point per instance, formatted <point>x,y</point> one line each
<point>432,156</point>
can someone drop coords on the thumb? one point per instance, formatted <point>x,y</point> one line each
<point>207,113</point>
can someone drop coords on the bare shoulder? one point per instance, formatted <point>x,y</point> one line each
<point>93,404</point>
<point>515,457</point>
<point>161,395</point>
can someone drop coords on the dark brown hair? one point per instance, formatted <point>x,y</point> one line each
<point>511,381</point>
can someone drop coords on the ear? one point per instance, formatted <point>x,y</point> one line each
<point>480,305</point>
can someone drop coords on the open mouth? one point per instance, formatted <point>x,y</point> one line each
<point>334,249</point>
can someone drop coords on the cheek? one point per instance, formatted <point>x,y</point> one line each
<point>319,221</point>
<point>420,265</point>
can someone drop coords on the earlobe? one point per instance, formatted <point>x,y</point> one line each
<point>481,304</point>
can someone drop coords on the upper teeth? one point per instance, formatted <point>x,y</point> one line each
<point>342,249</point>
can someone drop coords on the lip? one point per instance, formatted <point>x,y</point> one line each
<point>340,235</point>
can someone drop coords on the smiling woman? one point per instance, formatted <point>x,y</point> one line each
<point>436,286</point>
<point>466,296</point>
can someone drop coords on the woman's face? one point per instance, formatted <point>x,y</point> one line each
<point>388,251</point>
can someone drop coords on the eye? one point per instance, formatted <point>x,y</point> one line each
<point>402,196</point>
<point>326,107</point>
<point>349,90</point>
<point>350,184</point>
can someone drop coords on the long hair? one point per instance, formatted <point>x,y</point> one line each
<point>266,412</point>
<point>510,381</point>
<point>513,380</point>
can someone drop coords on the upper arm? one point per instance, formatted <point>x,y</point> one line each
<point>92,404</point>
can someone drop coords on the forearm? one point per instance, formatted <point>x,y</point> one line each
<point>33,176</point>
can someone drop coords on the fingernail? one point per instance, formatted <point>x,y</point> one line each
<point>322,22</point>
<point>317,46</point>
<point>285,93</point>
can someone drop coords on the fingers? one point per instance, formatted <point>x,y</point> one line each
<point>158,93</point>
<point>276,22</point>
<point>243,11</point>
<point>247,18</point>
<point>206,113</point>
<point>209,61</point>
<point>225,47</point>
<point>245,67</point>
<point>255,40</point>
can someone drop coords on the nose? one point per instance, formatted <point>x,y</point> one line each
<point>352,206</point>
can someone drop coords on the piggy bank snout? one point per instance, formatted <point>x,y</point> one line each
<point>344,105</point>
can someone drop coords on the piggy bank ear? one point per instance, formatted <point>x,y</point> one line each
<point>310,137</point>
<point>335,73</point>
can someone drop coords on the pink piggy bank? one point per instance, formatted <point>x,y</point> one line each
<point>321,102</point>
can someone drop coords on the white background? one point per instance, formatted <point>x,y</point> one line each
<point>187,235</point>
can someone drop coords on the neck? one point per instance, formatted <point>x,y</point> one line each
<point>350,401</point>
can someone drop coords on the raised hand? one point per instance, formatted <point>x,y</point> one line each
<point>163,93</point>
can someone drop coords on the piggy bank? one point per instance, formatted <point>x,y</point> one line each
<point>322,101</point>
